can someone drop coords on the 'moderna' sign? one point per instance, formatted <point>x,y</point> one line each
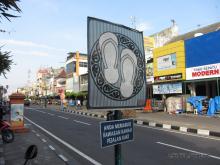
<point>205,71</point>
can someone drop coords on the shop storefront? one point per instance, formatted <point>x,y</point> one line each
<point>169,72</point>
<point>169,69</point>
<point>203,65</point>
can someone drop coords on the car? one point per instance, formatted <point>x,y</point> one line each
<point>27,102</point>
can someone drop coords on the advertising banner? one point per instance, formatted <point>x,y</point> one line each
<point>201,72</point>
<point>17,114</point>
<point>166,62</point>
<point>167,88</point>
<point>116,66</point>
<point>149,72</point>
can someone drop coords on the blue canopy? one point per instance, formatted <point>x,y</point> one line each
<point>211,110</point>
<point>196,102</point>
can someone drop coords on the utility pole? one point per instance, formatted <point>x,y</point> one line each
<point>133,22</point>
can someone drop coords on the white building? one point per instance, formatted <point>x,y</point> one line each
<point>76,65</point>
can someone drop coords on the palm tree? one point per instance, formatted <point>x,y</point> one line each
<point>5,7</point>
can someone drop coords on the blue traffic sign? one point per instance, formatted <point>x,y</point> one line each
<point>116,132</point>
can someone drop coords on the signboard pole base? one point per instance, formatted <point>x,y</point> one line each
<point>117,148</point>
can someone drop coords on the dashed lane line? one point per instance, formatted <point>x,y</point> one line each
<point>40,111</point>
<point>51,147</point>
<point>63,158</point>
<point>63,117</point>
<point>65,143</point>
<point>50,114</point>
<point>77,121</point>
<point>179,132</point>
<point>185,149</point>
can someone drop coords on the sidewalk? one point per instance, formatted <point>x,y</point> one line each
<point>13,153</point>
<point>203,125</point>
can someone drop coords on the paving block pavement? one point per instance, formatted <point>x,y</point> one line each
<point>13,153</point>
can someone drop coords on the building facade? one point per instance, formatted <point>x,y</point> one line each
<point>76,65</point>
<point>203,64</point>
<point>169,69</point>
<point>150,43</point>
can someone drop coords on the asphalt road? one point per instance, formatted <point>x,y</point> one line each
<point>79,137</point>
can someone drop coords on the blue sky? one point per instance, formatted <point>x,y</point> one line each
<point>47,30</point>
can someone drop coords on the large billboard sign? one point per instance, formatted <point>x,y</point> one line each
<point>201,72</point>
<point>166,62</point>
<point>116,66</point>
<point>167,88</point>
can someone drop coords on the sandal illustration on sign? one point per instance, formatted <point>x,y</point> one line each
<point>108,44</point>
<point>109,50</point>
<point>128,71</point>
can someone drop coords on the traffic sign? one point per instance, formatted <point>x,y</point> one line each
<point>116,132</point>
<point>116,66</point>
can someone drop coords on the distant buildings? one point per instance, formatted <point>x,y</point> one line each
<point>171,62</point>
<point>188,64</point>
<point>76,65</point>
<point>50,81</point>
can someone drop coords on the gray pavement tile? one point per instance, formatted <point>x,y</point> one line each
<point>14,152</point>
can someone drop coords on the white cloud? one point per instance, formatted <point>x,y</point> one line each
<point>30,53</point>
<point>144,26</point>
<point>28,44</point>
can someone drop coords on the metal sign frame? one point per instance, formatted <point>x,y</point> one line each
<point>107,83</point>
<point>111,121</point>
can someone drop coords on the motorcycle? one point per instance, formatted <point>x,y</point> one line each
<point>7,133</point>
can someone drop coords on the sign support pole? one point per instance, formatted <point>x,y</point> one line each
<point>117,148</point>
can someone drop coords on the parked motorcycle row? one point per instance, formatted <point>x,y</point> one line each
<point>5,127</point>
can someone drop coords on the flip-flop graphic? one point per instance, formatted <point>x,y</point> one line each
<point>128,69</point>
<point>108,43</point>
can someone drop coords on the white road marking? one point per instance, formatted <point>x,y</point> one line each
<point>66,144</point>
<point>50,114</point>
<point>33,131</point>
<point>37,134</point>
<point>29,108</point>
<point>63,117</point>
<point>63,158</point>
<point>51,147</point>
<point>39,111</point>
<point>44,140</point>
<point>77,121</point>
<point>178,132</point>
<point>185,149</point>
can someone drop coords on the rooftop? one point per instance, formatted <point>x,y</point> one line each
<point>203,30</point>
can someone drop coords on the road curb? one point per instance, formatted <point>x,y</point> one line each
<point>159,125</point>
<point>179,128</point>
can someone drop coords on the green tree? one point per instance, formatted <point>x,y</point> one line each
<point>5,62</point>
<point>6,7</point>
